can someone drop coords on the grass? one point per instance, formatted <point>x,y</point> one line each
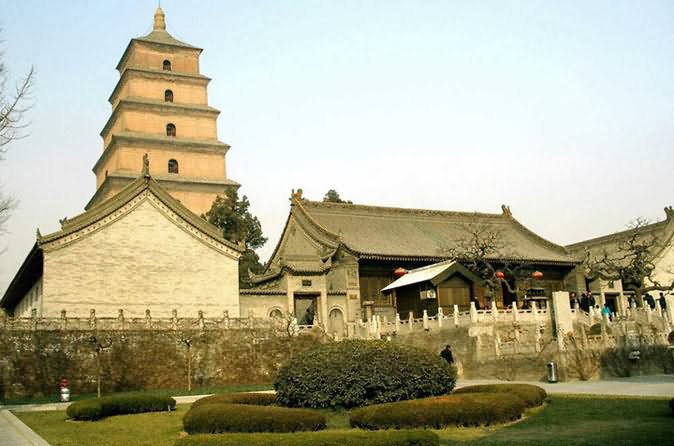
<point>566,420</point>
<point>160,392</point>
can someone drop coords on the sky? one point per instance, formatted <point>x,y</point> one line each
<point>562,110</point>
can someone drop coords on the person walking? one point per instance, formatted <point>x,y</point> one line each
<point>447,355</point>
<point>606,311</point>
<point>663,301</point>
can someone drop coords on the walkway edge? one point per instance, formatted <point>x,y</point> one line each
<point>17,429</point>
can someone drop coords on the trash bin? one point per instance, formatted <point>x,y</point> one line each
<point>552,372</point>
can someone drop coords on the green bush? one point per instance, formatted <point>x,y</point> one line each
<point>353,438</point>
<point>94,409</point>
<point>450,410</point>
<point>355,373</point>
<point>257,399</point>
<point>671,405</point>
<point>219,418</point>
<point>531,395</point>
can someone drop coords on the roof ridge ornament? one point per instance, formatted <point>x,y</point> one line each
<point>159,19</point>
<point>669,212</point>
<point>506,211</point>
<point>146,166</point>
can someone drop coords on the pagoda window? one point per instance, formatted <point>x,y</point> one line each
<point>170,130</point>
<point>172,166</point>
<point>167,65</point>
<point>168,96</point>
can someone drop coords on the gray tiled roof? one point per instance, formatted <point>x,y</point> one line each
<point>397,232</point>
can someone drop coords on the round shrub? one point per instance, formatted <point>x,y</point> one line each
<point>327,438</point>
<point>219,418</point>
<point>531,395</point>
<point>257,399</point>
<point>355,373</point>
<point>97,408</point>
<point>450,410</point>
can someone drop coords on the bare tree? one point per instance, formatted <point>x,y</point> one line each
<point>484,251</point>
<point>14,103</point>
<point>99,344</point>
<point>632,260</point>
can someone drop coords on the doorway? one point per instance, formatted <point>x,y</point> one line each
<point>306,308</point>
<point>336,321</point>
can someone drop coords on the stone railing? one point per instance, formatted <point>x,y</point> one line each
<point>377,326</point>
<point>121,322</point>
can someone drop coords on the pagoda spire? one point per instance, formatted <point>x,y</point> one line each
<point>159,19</point>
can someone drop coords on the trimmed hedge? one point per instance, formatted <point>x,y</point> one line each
<point>531,395</point>
<point>451,410</point>
<point>218,418</point>
<point>94,409</point>
<point>257,399</point>
<point>359,438</point>
<point>354,373</point>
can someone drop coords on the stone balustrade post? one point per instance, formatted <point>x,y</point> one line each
<point>440,316</point>
<point>649,313</point>
<point>64,320</point>
<point>515,311</point>
<point>377,326</point>
<point>202,323</point>
<point>534,310</point>
<point>148,318</point>
<point>251,319</point>
<point>174,319</point>
<point>494,311</point>
<point>425,320</point>
<point>225,320</point>
<point>456,315</point>
<point>397,323</point>
<point>473,313</point>
<point>33,319</point>
<point>384,323</point>
<point>92,319</point>
<point>411,321</point>
<point>120,319</point>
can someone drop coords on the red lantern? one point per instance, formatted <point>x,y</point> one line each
<point>499,275</point>
<point>537,275</point>
<point>399,272</point>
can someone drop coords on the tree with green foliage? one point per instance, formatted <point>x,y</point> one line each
<point>233,217</point>
<point>332,196</point>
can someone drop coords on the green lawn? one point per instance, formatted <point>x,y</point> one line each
<point>566,420</point>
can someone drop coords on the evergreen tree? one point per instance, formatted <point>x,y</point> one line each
<point>332,196</point>
<point>233,217</point>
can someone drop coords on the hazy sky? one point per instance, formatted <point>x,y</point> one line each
<point>563,110</point>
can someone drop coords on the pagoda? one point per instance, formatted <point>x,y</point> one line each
<point>160,108</point>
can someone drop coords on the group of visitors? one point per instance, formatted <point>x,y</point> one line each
<point>586,301</point>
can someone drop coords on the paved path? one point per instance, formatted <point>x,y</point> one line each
<point>14,433</point>
<point>652,385</point>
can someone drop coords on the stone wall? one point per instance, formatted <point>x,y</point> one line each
<point>33,362</point>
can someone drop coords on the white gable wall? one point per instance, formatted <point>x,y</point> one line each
<point>143,260</point>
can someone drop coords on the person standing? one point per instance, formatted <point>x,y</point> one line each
<point>650,301</point>
<point>606,311</point>
<point>663,301</point>
<point>447,355</point>
<point>590,300</point>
